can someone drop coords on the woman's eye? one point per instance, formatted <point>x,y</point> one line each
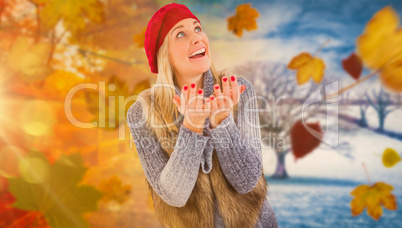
<point>195,28</point>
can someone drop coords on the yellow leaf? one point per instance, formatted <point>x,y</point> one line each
<point>373,197</point>
<point>74,14</point>
<point>139,39</point>
<point>245,18</point>
<point>113,189</point>
<point>30,59</point>
<point>380,47</point>
<point>390,157</point>
<point>61,82</point>
<point>307,66</point>
<point>391,76</point>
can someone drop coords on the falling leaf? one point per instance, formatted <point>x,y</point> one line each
<point>139,39</point>
<point>113,189</point>
<point>380,47</point>
<point>303,141</point>
<point>245,18</point>
<point>59,197</point>
<point>391,76</point>
<point>307,66</point>
<point>30,59</point>
<point>390,157</point>
<point>353,66</point>
<point>373,197</point>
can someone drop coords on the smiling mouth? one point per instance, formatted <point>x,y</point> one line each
<point>197,56</point>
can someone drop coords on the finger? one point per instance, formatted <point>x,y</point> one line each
<point>214,104</point>
<point>184,98</point>
<point>207,106</point>
<point>226,90</point>
<point>218,96</point>
<point>214,109</point>
<point>235,89</point>
<point>192,96</point>
<point>200,100</point>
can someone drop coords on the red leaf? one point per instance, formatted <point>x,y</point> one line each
<point>353,66</point>
<point>16,218</point>
<point>303,142</point>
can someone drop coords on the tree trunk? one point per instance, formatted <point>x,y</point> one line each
<point>381,118</point>
<point>363,121</point>
<point>280,172</point>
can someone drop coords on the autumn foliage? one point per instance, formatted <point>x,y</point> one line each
<point>373,198</point>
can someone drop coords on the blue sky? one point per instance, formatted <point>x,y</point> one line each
<point>288,27</point>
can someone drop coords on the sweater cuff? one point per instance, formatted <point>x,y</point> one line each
<point>226,124</point>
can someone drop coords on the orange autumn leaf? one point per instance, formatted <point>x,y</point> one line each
<point>307,66</point>
<point>245,18</point>
<point>74,14</point>
<point>113,189</point>
<point>373,197</point>
<point>390,157</point>
<point>380,47</point>
<point>139,39</point>
<point>30,60</point>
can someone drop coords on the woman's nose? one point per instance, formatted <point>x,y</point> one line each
<point>195,38</point>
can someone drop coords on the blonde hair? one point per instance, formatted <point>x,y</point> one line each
<point>164,112</point>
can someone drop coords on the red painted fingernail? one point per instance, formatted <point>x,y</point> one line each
<point>232,78</point>
<point>225,79</point>
<point>185,87</point>
<point>207,100</point>
<point>217,87</point>
<point>212,98</point>
<point>199,91</point>
<point>192,85</point>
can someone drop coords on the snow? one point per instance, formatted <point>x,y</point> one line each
<point>317,194</point>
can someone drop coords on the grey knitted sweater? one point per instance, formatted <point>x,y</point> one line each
<point>236,141</point>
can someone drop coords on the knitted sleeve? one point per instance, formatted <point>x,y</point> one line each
<point>238,145</point>
<point>172,179</point>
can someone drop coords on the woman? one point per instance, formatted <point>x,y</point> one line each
<point>198,145</point>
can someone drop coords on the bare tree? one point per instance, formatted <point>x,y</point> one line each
<point>363,109</point>
<point>381,102</point>
<point>279,94</point>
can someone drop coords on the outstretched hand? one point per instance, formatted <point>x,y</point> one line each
<point>191,105</point>
<point>224,99</point>
<point>217,107</point>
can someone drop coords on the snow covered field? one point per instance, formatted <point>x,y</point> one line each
<point>317,194</point>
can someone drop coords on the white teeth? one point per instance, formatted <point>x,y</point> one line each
<point>202,50</point>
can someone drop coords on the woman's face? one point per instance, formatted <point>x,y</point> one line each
<point>185,37</point>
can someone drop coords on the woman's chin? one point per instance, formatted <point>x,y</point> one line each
<point>202,63</point>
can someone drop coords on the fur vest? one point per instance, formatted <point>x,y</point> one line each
<point>237,210</point>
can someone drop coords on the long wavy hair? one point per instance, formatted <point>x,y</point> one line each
<point>163,113</point>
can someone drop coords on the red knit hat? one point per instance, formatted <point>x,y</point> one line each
<point>158,27</point>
